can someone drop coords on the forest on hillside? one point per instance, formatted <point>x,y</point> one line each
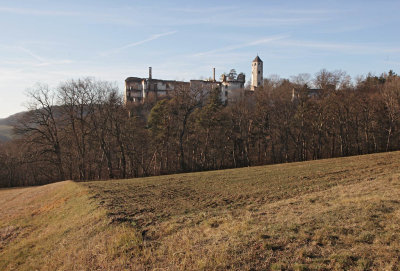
<point>82,130</point>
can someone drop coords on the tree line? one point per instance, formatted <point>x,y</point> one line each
<point>82,130</point>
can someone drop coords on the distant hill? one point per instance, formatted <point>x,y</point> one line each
<point>10,119</point>
<point>332,214</point>
<point>6,128</point>
<point>5,133</point>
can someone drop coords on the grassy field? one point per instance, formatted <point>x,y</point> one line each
<point>322,215</point>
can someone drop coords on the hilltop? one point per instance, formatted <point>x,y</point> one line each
<point>319,215</point>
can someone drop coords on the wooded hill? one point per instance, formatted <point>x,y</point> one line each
<point>81,130</point>
<point>6,127</point>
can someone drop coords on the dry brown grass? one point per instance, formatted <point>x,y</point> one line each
<point>322,215</point>
<point>57,227</point>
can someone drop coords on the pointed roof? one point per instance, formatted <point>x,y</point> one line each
<point>257,59</point>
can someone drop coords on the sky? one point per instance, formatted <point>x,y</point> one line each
<point>50,42</point>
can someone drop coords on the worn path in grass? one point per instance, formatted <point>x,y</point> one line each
<point>57,227</point>
<point>321,215</point>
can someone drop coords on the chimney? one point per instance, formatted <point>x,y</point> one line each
<point>214,74</point>
<point>150,73</point>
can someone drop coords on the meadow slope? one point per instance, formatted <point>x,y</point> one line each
<point>329,214</point>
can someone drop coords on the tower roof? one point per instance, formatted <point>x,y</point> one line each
<point>257,59</point>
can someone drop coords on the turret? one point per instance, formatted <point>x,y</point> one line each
<point>256,73</point>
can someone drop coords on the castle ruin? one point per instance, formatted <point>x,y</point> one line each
<point>139,89</point>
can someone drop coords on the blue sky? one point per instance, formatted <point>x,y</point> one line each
<point>53,41</point>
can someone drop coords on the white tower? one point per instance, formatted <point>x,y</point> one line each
<point>256,73</point>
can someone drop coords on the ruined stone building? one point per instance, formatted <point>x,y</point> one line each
<point>138,89</point>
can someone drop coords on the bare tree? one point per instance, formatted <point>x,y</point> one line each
<point>41,126</point>
<point>391,100</point>
<point>77,97</point>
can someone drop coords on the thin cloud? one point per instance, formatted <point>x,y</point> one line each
<point>343,47</point>
<point>281,21</point>
<point>137,43</point>
<point>23,11</point>
<point>29,52</point>
<point>112,17</point>
<point>240,46</point>
<point>204,10</point>
<point>397,63</point>
<point>236,20</point>
<point>43,61</point>
<point>307,11</point>
<point>239,16</point>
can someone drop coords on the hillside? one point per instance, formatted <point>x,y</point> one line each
<point>320,215</point>
<point>6,132</point>
<point>6,128</point>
